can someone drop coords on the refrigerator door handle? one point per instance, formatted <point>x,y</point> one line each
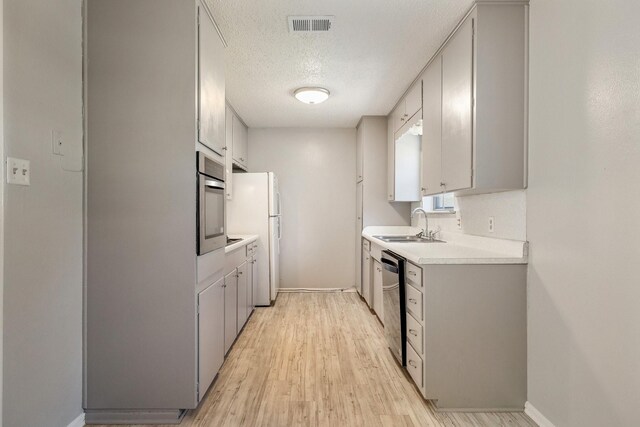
<point>279,204</point>
<point>279,227</point>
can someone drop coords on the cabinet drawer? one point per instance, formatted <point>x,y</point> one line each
<point>414,301</point>
<point>366,245</point>
<point>414,275</point>
<point>252,248</point>
<point>414,365</point>
<point>414,333</point>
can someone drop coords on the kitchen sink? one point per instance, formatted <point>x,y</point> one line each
<point>407,239</point>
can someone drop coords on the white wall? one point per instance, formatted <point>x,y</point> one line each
<point>42,378</point>
<point>583,207</point>
<point>316,169</point>
<point>508,210</point>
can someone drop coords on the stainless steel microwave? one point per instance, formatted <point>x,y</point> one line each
<point>211,201</point>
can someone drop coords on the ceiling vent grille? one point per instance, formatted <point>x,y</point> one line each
<point>310,24</point>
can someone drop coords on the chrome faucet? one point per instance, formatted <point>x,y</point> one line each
<point>426,221</point>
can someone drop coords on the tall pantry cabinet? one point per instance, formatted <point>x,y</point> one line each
<point>154,92</point>
<point>372,205</point>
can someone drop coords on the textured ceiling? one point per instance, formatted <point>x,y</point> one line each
<point>368,59</point>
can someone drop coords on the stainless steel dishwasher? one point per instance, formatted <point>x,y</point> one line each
<point>395,329</point>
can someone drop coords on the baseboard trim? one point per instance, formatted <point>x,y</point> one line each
<point>78,422</point>
<point>304,290</point>
<point>536,415</point>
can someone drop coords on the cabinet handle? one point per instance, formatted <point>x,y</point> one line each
<point>413,332</point>
<point>442,184</point>
<point>412,364</point>
<point>406,115</point>
<point>239,273</point>
<point>413,301</point>
<point>379,269</point>
<point>413,273</point>
<point>224,148</point>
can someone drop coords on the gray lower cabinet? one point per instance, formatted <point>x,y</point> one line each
<point>366,277</point>
<point>211,347</point>
<point>243,289</point>
<point>466,340</point>
<point>253,283</point>
<point>230,309</point>
<point>376,289</point>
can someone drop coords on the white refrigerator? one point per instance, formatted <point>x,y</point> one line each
<point>256,209</point>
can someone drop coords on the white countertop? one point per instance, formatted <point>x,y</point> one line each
<point>246,239</point>
<point>458,249</point>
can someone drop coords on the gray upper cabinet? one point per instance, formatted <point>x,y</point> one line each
<point>409,105</point>
<point>359,154</point>
<point>413,100</point>
<point>432,127</point>
<point>457,97</point>
<point>211,334</point>
<point>391,167</point>
<point>240,142</point>
<point>484,98</point>
<point>228,156</point>
<point>211,88</point>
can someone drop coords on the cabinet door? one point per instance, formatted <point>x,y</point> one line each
<point>457,109</point>
<point>253,290</point>
<point>228,183</point>
<point>391,167</point>
<point>432,128</point>
<point>211,94</point>
<point>399,119</point>
<point>366,277</point>
<point>230,309</point>
<point>413,100</point>
<point>240,142</point>
<point>243,286</point>
<point>359,236</point>
<point>211,347</point>
<point>377,289</point>
<point>360,152</point>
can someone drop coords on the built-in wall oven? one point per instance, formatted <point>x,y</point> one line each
<point>393,294</point>
<point>211,201</point>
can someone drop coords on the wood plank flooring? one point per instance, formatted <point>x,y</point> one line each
<point>320,359</point>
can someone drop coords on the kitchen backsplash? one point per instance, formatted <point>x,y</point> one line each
<point>508,210</point>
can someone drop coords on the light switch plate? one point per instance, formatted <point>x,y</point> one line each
<point>18,171</point>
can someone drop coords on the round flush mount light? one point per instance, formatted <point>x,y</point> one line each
<point>311,95</point>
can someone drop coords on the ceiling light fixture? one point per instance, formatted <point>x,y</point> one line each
<point>311,95</point>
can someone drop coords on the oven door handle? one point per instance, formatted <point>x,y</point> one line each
<point>212,183</point>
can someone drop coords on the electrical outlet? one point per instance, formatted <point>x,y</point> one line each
<point>18,171</point>
<point>459,223</point>
<point>57,141</point>
<point>492,224</point>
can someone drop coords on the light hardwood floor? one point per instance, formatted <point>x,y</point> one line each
<point>320,359</point>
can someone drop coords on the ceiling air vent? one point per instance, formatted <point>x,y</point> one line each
<point>310,24</point>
